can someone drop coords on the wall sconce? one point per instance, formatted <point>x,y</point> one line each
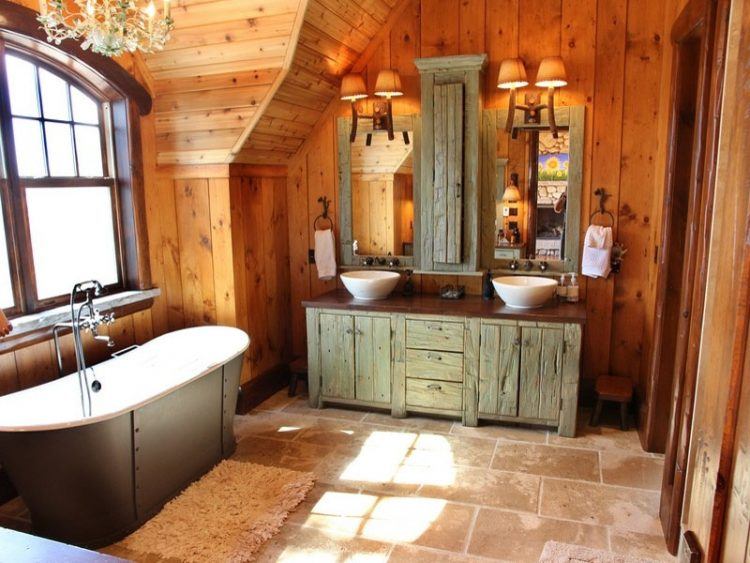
<point>551,75</point>
<point>511,194</point>
<point>387,85</point>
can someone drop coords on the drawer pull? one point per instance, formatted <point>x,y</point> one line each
<point>434,327</point>
<point>436,357</point>
<point>434,387</point>
<point>356,331</point>
<point>517,341</point>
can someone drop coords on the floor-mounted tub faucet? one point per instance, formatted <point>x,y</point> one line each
<point>87,318</point>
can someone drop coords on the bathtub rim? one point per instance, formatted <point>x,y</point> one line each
<point>131,406</point>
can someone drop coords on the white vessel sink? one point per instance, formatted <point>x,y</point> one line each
<point>524,292</point>
<point>370,284</point>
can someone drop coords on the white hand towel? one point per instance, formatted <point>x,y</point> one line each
<point>325,254</point>
<point>597,252</point>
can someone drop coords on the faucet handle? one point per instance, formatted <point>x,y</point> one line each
<point>514,265</point>
<point>543,266</point>
<point>394,262</point>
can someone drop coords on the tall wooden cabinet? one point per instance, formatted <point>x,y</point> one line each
<point>449,159</point>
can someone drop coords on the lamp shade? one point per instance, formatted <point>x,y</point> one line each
<point>551,73</point>
<point>353,88</point>
<point>512,74</point>
<point>511,194</point>
<point>388,83</point>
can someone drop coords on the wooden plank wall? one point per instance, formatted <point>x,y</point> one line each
<point>613,54</point>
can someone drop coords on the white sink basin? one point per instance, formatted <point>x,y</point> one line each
<point>525,292</point>
<point>370,284</point>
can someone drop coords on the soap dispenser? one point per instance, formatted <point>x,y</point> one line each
<point>488,291</point>
<point>573,290</point>
<point>562,289</point>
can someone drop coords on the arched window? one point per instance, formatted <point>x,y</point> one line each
<point>59,201</point>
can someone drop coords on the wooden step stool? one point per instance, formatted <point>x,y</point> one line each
<point>617,390</point>
<point>297,368</point>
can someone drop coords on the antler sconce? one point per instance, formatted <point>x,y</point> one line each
<point>387,85</point>
<point>551,75</point>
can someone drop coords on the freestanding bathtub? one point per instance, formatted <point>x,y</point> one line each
<point>162,418</point>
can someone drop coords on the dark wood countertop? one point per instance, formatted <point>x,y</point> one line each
<point>469,306</point>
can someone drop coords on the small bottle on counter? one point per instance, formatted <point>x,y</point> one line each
<point>562,289</point>
<point>488,290</point>
<point>573,290</point>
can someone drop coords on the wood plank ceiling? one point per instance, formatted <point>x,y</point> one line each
<point>334,34</point>
<point>224,61</point>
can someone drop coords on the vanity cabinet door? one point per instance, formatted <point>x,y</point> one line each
<point>372,350</point>
<point>541,372</point>
<point>337,356</point>
<point>499,361</point>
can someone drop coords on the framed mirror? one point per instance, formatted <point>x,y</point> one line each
<point>378,185</point>
<point>533,183</point>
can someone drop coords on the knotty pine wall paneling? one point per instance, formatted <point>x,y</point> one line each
<point>613,50</point>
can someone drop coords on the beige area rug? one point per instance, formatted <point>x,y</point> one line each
<point>556,552</point>
<point>225,516</point>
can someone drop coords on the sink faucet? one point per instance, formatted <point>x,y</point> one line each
<point>393,262</point>
<point>369,261</point>
<point>87,318</point>
<point>528,265</point>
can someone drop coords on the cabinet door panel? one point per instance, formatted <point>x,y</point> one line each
<point>337,356</point>
<point>448,170</point>
<point>551,373</point>
<point>373,359</point>
<point>531,348</point>
<point>499,370</point>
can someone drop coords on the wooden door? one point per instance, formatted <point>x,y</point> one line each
<point>541,372</point>
<point>337,356</point>
<point>448,120</point>
<point>372,350</point>
<point>499,360</point>
<point>682,275</point>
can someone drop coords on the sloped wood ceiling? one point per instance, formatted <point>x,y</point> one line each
<point>224,61</point>
<point>333,36</point>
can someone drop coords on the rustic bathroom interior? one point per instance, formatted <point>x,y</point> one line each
<point>382,280</point>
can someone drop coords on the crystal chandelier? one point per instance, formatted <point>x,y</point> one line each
<point>109,27</point>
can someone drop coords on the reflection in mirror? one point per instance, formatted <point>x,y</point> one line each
<point>382,192</point>
<point>532,186</point>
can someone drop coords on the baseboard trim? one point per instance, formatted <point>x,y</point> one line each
<point>260,388</point>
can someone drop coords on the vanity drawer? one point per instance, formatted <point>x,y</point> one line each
<point>428,364</point>
<point>435,335</point>
<point>444,395</point>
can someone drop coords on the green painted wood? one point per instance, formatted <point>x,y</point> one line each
<point>472,182</point>
<point>570,380</point>
<point>435,335</point>
<point>550,377</point>
<point>531,364</point>
<point>343,127</point>
<point>381,352</point>
<point>471,372</point>
<point>427,165</point>
<point>442,395</point>
<point>500,356</point>
<point>364,357</point>
<point>429,364</point>
<point>398,353</point>
<point>454,203</point>
<point>337,356</point>
<point>440,185</point>
<point>571,117</point>
<point>313,357</point>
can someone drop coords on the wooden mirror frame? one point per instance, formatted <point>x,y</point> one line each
<point>493,122</point>
<point>409,123</point>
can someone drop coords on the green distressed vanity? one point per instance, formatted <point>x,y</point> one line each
<point>470,359</point>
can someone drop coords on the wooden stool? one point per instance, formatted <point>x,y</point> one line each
<point>297,368</point>
<point>617,390</point>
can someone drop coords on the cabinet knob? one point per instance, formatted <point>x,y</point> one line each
<point>434,357</point>
<point>434,387</point>
<point>517,341</point>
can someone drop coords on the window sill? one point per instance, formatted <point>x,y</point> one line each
<point>30,329</point>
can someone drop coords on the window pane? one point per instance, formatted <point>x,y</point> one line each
<point>22,86</point>
<point>60,149</point>
<point>54,96</point>
<point>89,146</point>
<point>6,288</point>
<point>72,237</point>
<point>85,110</point>
<point>29,148</point>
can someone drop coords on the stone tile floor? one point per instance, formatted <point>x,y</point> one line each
<point>420,489</point>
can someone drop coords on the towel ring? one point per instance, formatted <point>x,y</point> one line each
<point>601,193</point>
<point>323,216</point>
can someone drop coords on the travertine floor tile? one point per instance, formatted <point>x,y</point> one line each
<point>301,406</point>
<point>271,424</point>
<point>640,545</point>
<point>501,432</point>
<point>549,461</point>
<point>459,451</point>
<point>419,423</point>
<point>632,470</point>
<point>627,509</point>
<point>300,456</point>
<point>497,489</point>
<point>277,401</point>
<point>599,438</point>
<point>521,537</point>
<point>413,554</point>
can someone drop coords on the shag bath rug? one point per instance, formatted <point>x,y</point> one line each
<point>226,516</point>
<point>556,552</point>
